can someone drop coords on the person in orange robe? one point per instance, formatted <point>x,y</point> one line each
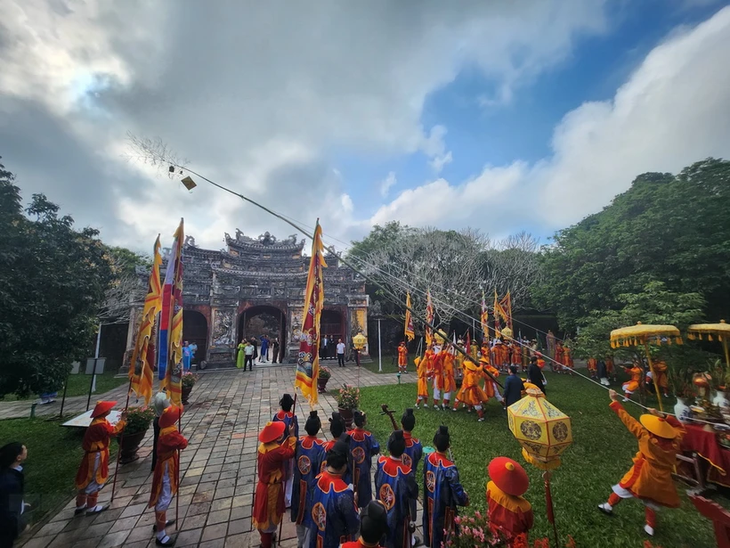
<point>165,479</point>
<point>499,355</point>
<point>448,381</point>
<point>660,369</point>
<point>650,477</point>
<point>559,357</point>
<point>422,387</point>
<point>94,468</point>
<point>402,357</point>
<point>489,374</point>
<point>632,386</point>
<point>540,360</point>
<point>610,368</point>
<point>276,447</point>
<point>567,362</point>
<point>509,512</point>
<point>373,526</point>
<point>593,368</point>
<point>471,394</point>
<point>437,373</point>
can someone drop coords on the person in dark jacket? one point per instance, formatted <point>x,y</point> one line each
<point>534,373</point>
<point>513,387</point>
<point>12,486</point>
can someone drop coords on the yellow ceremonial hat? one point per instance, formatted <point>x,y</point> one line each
<point>658,426</point>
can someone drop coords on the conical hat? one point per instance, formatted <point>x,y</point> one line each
<point>658,426</point>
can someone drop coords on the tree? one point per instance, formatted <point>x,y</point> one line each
<point>653,305</point>
<point>52,283</point>
<point>456,266</point>
<point>673,229</point>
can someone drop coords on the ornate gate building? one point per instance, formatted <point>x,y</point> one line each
<point>223,291</point>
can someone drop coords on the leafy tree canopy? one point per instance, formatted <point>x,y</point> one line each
<point>52,283</point>
<point>669,228</point>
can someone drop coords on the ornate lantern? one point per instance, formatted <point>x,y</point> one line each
<point>543,431</point>
<point>359,341</point>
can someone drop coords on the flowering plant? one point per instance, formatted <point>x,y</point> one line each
<point>189,380</point>
<point>476,532</point>
<point>348,397</point>
<point>324,374</point>
<point>138,420</point>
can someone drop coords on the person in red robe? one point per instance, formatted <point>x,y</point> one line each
<point>593,368</point>
<point>559,357</point>
<point>509,512</point>
<point>94,469</point>
<point>275,449</point>
<point>165,479</point>
<point>373,526</point>
<point>402,357</point>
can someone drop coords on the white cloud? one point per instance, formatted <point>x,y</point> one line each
<point>255,95</point>
<point>673,110</point>
<point>387,183</point>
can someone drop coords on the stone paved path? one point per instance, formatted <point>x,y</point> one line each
<point>73,406</point>
<point>226,411</point>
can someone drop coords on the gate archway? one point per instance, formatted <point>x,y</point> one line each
<point>268,320</point>
<point>195,330</point>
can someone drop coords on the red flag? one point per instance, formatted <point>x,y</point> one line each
<point>308,360</point>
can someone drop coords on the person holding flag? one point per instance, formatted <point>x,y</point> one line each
<point>166,476</point>
<point>308,360</point>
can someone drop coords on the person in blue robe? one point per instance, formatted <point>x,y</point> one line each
<point>337,431</point>
<point>308,460</point>
<point>187,356</point>
<point>287,416</point>
<point>413,453</point>
<point>442,492</point>
<point>396,488</point>
<point>334,515</point>
<point>363,447</point>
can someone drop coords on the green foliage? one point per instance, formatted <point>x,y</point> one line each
<point>324,374</point>
<point>673,229</point>
<point>52,283</point>
<point>600,455</point>
<point>138,420</point>
<point>653,305</point>
<point>188,380</point>
<point>54,454</point>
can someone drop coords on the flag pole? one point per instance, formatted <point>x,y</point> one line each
<point>119,443</point>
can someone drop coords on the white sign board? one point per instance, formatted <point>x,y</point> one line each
<point>83,421</point>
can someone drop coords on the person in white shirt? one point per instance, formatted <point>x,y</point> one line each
<point>340,353</point>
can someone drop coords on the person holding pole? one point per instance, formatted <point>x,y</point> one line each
<point>94,468</point>
<point>276,447</point>
<point>166,476</point>
<point>650,477</point>
<point>287,416</point>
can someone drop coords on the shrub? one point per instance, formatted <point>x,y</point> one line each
<point>138,420</point>
<point>348,397</point>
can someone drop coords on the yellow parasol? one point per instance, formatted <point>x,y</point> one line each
<point>720,330</point>
<point>641,334</point>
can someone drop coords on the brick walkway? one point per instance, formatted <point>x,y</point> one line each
<point>226,411</point>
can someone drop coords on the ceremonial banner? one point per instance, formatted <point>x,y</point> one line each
<point>308,360</point>
<point>497,314</point>
<point>409,329</point>
<point>143,356</point>
<point>169,362</point>
<point>484,319</point>
<point>506,309</point>
<point>429,318</point>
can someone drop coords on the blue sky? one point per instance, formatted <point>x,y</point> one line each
<point>500,116</point>
<point>521,130</point>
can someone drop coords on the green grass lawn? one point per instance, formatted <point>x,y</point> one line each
<point>78,385</point>
<point>600,455</point>
<point>54,454</point>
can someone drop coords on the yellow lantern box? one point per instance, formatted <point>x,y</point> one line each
<point>542,429</point>
<point>359,341</point>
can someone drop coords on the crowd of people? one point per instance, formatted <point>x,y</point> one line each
<point>342,497</point>
<point>441,365</point>
<point>248,352</point>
